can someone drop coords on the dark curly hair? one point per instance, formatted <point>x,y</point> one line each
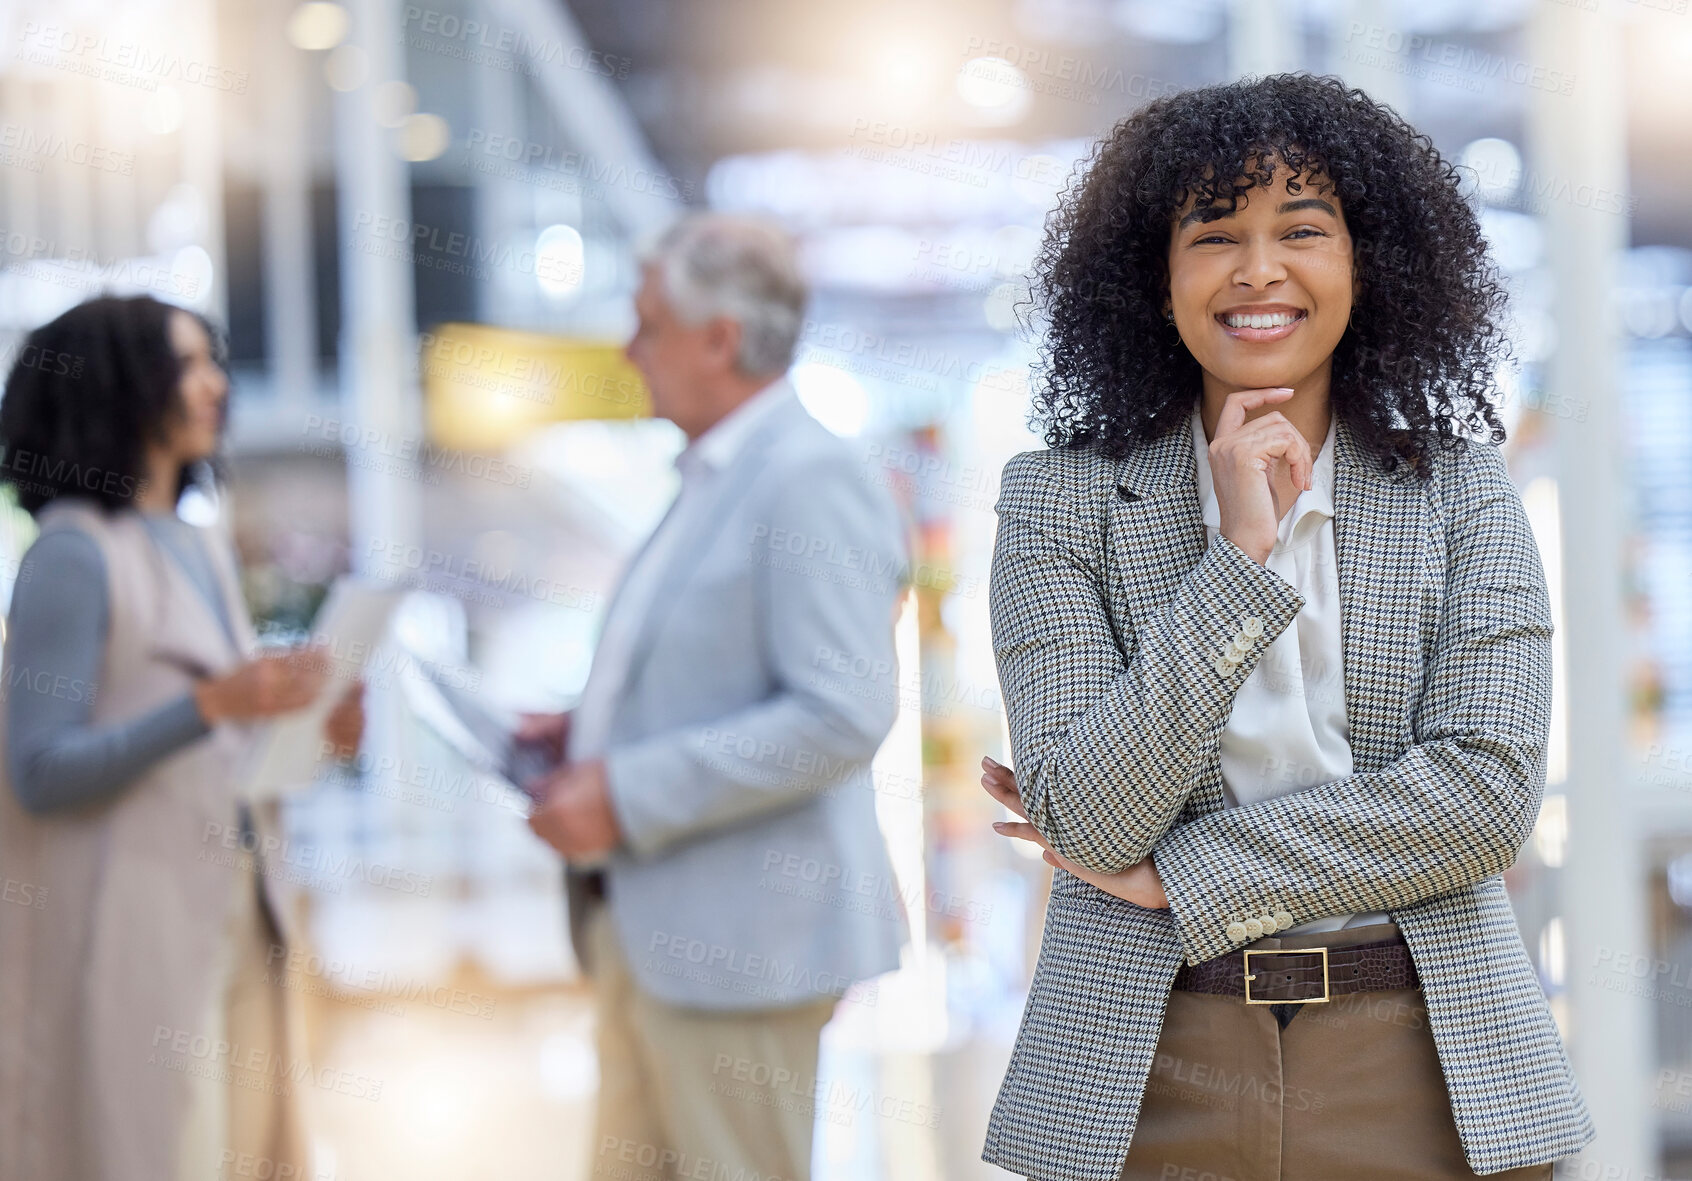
<point>1425,336</point>
<point>86,395</point>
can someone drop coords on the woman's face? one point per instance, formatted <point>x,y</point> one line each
<point>1278,255</point>
<point>202,391</point>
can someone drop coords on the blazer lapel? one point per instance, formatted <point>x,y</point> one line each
<point>1379,529</point>
<point>188,632</point>
<point>1157,536</point>
<point>1157,530</point>
<point>691,550</point>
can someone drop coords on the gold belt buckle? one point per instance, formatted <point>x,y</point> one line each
<point>1309,1000</point>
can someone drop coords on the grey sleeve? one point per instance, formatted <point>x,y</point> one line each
<point>57,757</point>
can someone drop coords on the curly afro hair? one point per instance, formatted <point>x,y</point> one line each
<point>86,395</point>
<point>1425,337</point>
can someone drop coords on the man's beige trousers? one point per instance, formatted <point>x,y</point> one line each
<point>691,1093</point>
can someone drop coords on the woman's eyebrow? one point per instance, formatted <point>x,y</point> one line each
<point>1214,213</point>
<point>1307,203</point>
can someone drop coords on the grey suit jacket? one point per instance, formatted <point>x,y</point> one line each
<point>1109,610</point>
<point>763,680</point>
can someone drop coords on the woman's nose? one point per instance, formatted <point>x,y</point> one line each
<point>1260,266</point>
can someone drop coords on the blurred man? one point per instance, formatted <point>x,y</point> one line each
<point>716,767</point>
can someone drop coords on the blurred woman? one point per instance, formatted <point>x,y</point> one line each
<point>143,1029</point>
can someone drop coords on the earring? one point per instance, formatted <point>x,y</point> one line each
<point>1169,314</point>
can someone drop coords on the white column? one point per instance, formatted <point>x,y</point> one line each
<point>71,212</point>
<point>23,187</point>
<point>290,325</point>
<point>503,205</point>
<point>1580,139</point>
<point>202,147</point>
<point>117,196</point>
<point>379,394</point>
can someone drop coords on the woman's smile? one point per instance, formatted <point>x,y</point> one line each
<point>1261,322</point>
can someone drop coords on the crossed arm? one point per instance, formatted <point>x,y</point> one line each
<point>1452,810</point>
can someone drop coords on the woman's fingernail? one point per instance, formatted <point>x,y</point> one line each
<point>998,826</point>
<point>990,760</point>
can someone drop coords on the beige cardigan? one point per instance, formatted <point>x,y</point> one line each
<point>111,915</point>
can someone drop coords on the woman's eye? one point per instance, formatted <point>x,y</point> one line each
<point>1301,231</point>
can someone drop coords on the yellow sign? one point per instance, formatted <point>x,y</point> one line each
<point>486,387</point>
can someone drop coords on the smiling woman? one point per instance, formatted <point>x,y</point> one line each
<point>1293,179</point>
<point>1264,538</point>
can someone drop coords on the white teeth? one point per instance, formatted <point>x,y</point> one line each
<point>1276,320</point>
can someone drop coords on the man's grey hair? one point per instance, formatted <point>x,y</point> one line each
<point>716,264</point>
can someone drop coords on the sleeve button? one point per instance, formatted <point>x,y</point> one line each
<point>1254,929</point>
<point>1252,626</point>
<point>1283,920</point>
<point>1237,932</point>
<point>1222,667</point>
<point>1270,926</point>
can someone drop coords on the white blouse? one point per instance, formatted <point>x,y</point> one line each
<point>1288,730</point>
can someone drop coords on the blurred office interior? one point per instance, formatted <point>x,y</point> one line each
<point>418,224</point>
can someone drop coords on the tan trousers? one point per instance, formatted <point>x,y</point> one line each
<point>687,1093</point>
<point>1348,1090</point>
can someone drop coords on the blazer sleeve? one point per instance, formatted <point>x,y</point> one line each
<point>1454,808</point>
<point>1106,747</point>
<point>827,562</point>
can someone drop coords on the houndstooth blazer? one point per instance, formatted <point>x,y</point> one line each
<point>1109,612</point>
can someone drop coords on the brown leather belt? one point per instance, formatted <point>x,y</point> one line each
<point>1310,975</point>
